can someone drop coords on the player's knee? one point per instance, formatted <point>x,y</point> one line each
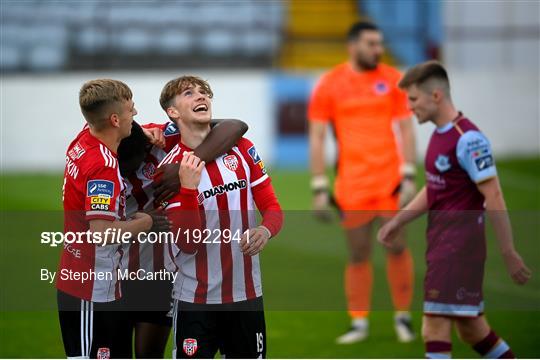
<point>396,249</point>
<point>360,255</point>
<point>472,331</point>
<point>466,334</point>
<point>435,329</point>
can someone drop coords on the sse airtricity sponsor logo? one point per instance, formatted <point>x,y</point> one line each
<point>100,193</point>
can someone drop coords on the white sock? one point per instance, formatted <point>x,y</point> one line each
<point>402,315</point>
<point>359,323</point>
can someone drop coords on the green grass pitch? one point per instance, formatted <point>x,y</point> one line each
<point>302,274</point>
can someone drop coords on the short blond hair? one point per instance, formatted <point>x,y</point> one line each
<point>98,99</point>
<point>178,85</point>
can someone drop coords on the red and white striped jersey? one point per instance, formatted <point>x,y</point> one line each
<point>140,197</point>
<point>219,272</point>
<point>93,189</point>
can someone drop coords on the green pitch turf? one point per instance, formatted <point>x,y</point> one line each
<point>302,274</point>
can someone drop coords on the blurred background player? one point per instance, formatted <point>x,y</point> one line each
<point>461,183</point>
<point>149,302</point>
<point>362,103</point>
<point>218,294</point>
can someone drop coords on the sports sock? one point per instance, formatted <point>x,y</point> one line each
<point>399,271</point>
<point>493,347</point>
<point>438,350</point>
<point>358,283</point>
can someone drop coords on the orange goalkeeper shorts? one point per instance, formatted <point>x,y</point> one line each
<point>364,211</point>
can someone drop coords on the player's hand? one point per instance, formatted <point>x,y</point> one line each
<point>143,217</point>
<point>160,221</point>
<point>190,171</point>
<point>258,238</point>
<point>155,136</point>
<point>517,269</point>
<point>407,192</point>
<point>166,182</point>
<point>321,206</point>
<point>388,233</point>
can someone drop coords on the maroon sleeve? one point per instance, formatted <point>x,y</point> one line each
<point>183,211</point>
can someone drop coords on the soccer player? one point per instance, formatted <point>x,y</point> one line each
<point>218,292</point>
<point>94,201</point>
<point>362,103</point>
<point>149,301</point>
<point>461,183</point>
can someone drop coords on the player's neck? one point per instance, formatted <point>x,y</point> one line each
<point>193,135</point>
<point>107,137</point>
<point>357,68</point>
<point>447,114</point>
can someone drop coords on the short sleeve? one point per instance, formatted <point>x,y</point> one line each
<point>475,156</point>
<point>258,173</point>
<point>320,103</point>
<point>400,109</point>
<point>104,195</point>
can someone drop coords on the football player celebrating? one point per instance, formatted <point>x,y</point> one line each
<point>218,292</point>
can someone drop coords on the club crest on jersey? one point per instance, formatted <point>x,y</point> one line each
<point>171,129</point>
<point>100,188</point>
<point>442,163</point>
<point>381,88</point>
<point>103,353</point>
<point>76,151</point>
<point>231,162</point>
<point>190,346</point>
<point>149,170</point>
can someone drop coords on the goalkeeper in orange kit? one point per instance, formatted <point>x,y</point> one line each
<point>361,101</point>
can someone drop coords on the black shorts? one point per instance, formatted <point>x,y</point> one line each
<point>237,330</point>
<point>148,301</point>
<point>93,330</point>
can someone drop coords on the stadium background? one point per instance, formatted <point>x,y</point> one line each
<point>262,59</point>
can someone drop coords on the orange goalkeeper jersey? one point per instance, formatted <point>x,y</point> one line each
<point>361,107</point>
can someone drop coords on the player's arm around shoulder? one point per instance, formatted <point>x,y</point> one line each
<point>221,139</point>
